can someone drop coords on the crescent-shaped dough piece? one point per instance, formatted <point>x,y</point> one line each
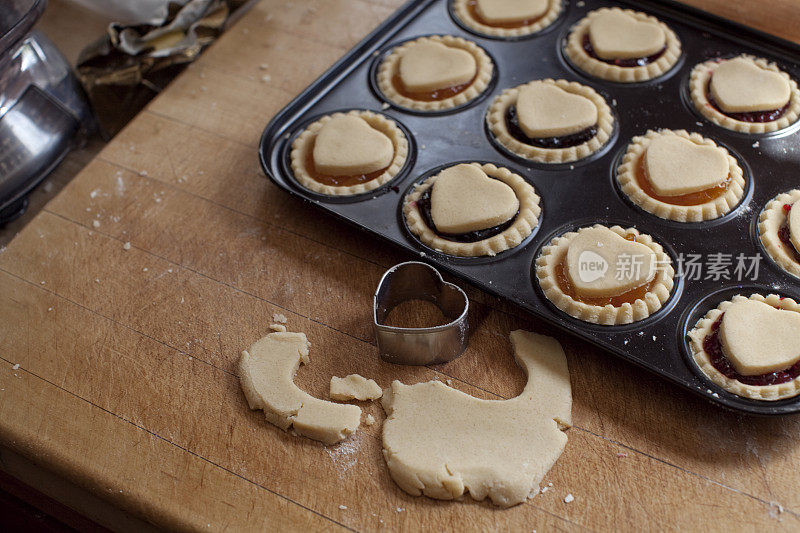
<point>441,442</point>
<point>266,372</point>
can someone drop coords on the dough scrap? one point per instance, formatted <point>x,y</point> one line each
<point>431,65</point>
<point>505,11</point>
<point>676,165</point>
<point>598,261</point>
<point>758,339</point>
<point>739,85</point>
<point>348,146</point>
<point>266,372</point>
<point>617,35</point>
<point>441,442</point>
<point>794,225</point>
<point>547,110</point>
<point>354,387</point>
<point>464,198</point>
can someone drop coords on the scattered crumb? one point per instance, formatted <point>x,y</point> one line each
<point>622,454</point>
<point>400,509</point>
<point>654,337</point>
<point>756,144</point>
<point>266,78</point>
<point>369,420</point>
<point>96,223</point>
<point>42,282</point>
<point>144,269</point>
<point>580,3</point>
<point>126,246</point>
<point>15,367</point>
<point>614,102</point>
<point>47,187</point>
<point>263,66</point>
<point>569,498</point>
<point>343,507</point>
<point>449,381</point>
<point>699,124</point>
<point>49,308</point>
<point>97,280</point>
<point>278,327</point>
<point>544,489</point>
<point>279,318</point>
<point>625,342</point>
<point>143,173</point>
<point>385,105</point>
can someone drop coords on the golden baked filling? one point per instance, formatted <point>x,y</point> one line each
<point>693,198</point>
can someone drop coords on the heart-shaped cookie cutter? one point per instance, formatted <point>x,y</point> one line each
<point>420,346</point>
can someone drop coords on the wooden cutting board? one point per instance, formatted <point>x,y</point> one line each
<point>127,385</point>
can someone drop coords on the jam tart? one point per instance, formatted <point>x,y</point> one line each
<point>435,73</point>
<point>551,121</point>
<point>745,94</point>
<point>749,346</point>
<point>605,275</point>
<point>622,45</point>
<point>507,18</point>
<point>472,210</point>
<point>349,153</point>
<point>681,176</point>
<point>779,230</point>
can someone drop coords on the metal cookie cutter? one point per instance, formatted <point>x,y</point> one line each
<point>420,346</point>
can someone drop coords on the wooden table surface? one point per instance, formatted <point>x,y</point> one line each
<point>127,384</point>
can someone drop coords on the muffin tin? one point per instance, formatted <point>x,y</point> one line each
<point>572,195</point>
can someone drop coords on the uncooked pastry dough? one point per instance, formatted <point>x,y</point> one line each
<point>431,65</point>
<point>622,43</point>
<point>496,120</point>
<point>442,443</point>
<point>628,176</point>
<point>739,85</point>
<point>794,225</point>
<point>354,387</point>
<point>758,339</point>
<point>505,11</point>
<point>618,35</point>
<point>465,199</point>
<point>521,227</point>
<point>548,11</point>
<point>770,222</point>
<point>706,72</point>
<point>435,71</point>
<point>676,166</point>
<point>303,150</point>
<point>266,372</point>
<point>554,253</point>
<point>547,110</point>
<point>347,146</point>
<point>600,245</point>
<point>704,327</point>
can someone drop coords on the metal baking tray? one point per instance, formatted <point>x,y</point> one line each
<point>576,194</point>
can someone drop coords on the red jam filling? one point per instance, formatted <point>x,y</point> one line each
<point>752,116</point>
<point>713,347</point>
<point>785,236</point>
<point>566,141</point>
<point>627,63</point>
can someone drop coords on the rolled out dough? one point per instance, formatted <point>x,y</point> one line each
<point>266,372</point>
<point>354,387</point>
<point>441,442</point>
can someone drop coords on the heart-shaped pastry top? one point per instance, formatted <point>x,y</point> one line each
<point>758,339</point>
<point>740,86</point>
<point>625,265</point>
<point>616,35</point>
<point>677,166</point>
<point>546,110</point>
<point>794,225</point>
<point>508,11</point>
<point>465,199</point>
<point>348,146</point>
<point>430,66</point>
